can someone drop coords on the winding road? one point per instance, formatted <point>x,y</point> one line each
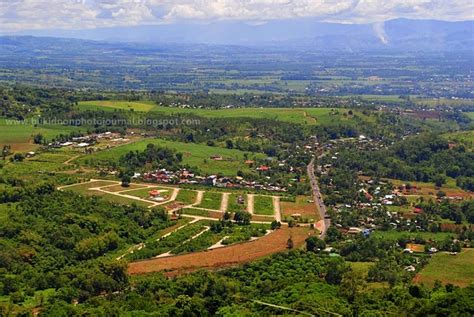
<point>325,222</point>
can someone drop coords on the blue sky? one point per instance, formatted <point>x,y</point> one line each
<point>21,15</point>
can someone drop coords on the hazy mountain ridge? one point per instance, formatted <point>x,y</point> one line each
<point>400,35</point>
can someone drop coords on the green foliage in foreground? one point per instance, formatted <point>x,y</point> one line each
<point>292,282</point>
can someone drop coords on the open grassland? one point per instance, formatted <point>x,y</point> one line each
<point>393,235</point>
<point>455,269</point>
<point>197,155</point>
<point>20,136</point>
<point>263,205</point>
<point>221,257</point>
<point>292,115</point>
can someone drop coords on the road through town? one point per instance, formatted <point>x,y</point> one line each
<point>325,222</point>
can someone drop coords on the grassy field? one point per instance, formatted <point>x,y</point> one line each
<point>145,192</point>
<point>20,136</point>
<point>211,200</point>
<point>84,189</point>
<point>193,154</point>
<point>263,205</point>
<point>186,196</point>
<point>392,234</point>
<point>293,115</point>
<point>234,206</point>
<point>454,269</point>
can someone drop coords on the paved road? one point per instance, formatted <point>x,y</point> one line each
<point>318,200</point>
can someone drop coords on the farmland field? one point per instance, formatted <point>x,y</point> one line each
<point>455,269</point>
<point>263,205</point>
<point>392,234</point>
<point>197,155</point>
<point>20,136</point>
<point>292,115</point>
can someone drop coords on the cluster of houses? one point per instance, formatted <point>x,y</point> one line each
<point>84,142</point>
<point>184,176</point>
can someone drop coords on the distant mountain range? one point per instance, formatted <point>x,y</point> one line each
<point>394,35</point>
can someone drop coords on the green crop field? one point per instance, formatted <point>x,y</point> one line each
<point>455,269</point>
<point>263,205</point>
<point>20,136</point>
<point>107,105</point>
<point>197,155</point>
<point>392,234</point>
<point>293,115</point>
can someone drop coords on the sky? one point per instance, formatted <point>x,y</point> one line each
<point>21,15</point>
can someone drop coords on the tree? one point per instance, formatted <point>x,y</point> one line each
<point>336,270</point>
<point>126,180</point>
<point>242,217</point>
<point>6,151</point>
<point>314,244</point>
<point>275,225</point>
<point>38,139</point>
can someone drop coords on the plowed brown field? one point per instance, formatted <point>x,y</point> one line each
<point>227,256</point>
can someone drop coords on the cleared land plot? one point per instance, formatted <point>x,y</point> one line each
<point>186,196</point>
<point>202,212</point>
<point>85,189</point>
<point>220,257</point>
<point>198,155</point>
<point>120,188</point>
<point>455,269</point>
<point>263,205</point>
<point>211,200</point>
<point>144,193</point>
<point>234,205</point>
<point>301,206</point>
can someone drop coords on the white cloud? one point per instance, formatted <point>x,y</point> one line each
<point>79,14</point>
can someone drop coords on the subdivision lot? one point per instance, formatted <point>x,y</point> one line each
<point>186,196</point>
<point>211,200</point>
<point>302,206</point>
<point>227,256</point>
<point>263,205</point>
<point>455,269</point>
